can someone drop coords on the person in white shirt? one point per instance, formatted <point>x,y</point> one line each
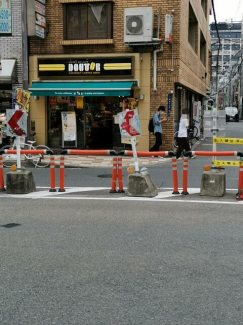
<point>183,141</point>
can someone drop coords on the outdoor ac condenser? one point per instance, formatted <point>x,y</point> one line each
<point>138,25</point>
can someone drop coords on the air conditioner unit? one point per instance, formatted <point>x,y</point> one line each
<point>138,25</point>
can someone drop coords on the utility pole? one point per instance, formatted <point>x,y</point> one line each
<point>25,51</point>
<point>241,73</point>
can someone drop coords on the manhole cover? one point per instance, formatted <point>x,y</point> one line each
<point>105,176</point>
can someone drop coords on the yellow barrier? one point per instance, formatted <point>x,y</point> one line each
<point>228,140</point>
<point>229,163</point>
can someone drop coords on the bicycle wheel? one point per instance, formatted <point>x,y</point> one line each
<point>175,139</point>
<point>194,132</point>
<point>9,159</point>
<point>39,160</point>
<point>29,156</point>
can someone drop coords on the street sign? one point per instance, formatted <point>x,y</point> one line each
<point>13,122</point>
<point>169,105</point>
<point>228,140</point>
<point>129,124</point>
<point>227,163</point>
<point>18,121</point>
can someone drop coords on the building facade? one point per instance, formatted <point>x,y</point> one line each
<point>100,56</point>
<point>229,61</point>
<point>11,55</point>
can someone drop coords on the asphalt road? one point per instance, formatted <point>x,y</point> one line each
<point>106,263</point>
<point>109,262</point>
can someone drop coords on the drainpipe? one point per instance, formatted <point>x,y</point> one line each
<point>155,66</point>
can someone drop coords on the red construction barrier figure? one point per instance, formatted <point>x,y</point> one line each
<point>185,176</point>
<point>114,175</point>
<point>175,176</point>
<point>120,176</point>
<point>2,188</point>
<point>61,180</point>
<point>52,174</point>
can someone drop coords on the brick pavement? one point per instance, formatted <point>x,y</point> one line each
<point>106,161</point>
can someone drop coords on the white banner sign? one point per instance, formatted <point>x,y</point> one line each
<point>129,124</point>
<point>69,128</point>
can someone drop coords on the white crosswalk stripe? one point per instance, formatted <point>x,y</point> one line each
<point>165,195</point>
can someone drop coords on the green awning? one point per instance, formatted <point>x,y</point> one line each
<point>98,89</point>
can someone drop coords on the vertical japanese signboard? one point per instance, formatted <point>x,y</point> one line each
<point>5,18</point>
<point>169,104</point>
<point>40,18</point>
<point>36,18</point>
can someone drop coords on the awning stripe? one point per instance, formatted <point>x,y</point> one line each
<point>81,88</point>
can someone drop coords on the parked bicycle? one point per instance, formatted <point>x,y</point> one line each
<point>36,159</point>
<point>192,133</point>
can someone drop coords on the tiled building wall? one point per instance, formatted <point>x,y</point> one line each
<point>11,46</point>
<point>192,72</point>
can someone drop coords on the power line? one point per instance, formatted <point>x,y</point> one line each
<point>232,56</point>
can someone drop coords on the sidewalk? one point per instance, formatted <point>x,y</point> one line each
<point>106,161</point>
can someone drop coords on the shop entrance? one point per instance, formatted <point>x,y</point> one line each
<point>97,124</point>
<point>5,103</point>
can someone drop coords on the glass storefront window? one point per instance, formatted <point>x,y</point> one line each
<point>5,100</point>
<point>57,105</point>
<point>5,103</point>
<point>97,127</point>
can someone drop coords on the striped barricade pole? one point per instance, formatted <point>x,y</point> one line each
<point>95,153</point>
<point>120,176</point>
<point>88,152</point>
<point>240,182</point>
<point>2,188</point>
<point>148,153</point>
<point>175,176</point>
<point>52,174</point>
<point>61,175</point>
<point>239,195</point>
<point>185,176</point>
<point>212,153</point>
<point>28,151</point>
<point>114,175</point>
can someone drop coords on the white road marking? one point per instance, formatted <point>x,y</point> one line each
<point>40,194</point>
<point>165,196</point>
<point>147,200</point>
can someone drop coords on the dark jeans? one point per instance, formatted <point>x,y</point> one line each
<point>158,142</point>
<point>183,144</point>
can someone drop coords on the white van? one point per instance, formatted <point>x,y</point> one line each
<point>231,114</point>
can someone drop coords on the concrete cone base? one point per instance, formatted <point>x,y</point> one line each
<point>20,182</point>
<point>213,183</point>
<point>141,185</point>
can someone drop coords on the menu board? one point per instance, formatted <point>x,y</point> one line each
<point>69,128</point>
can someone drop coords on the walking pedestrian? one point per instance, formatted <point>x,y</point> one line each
<point>183,140</point>
<point>157,121</point>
